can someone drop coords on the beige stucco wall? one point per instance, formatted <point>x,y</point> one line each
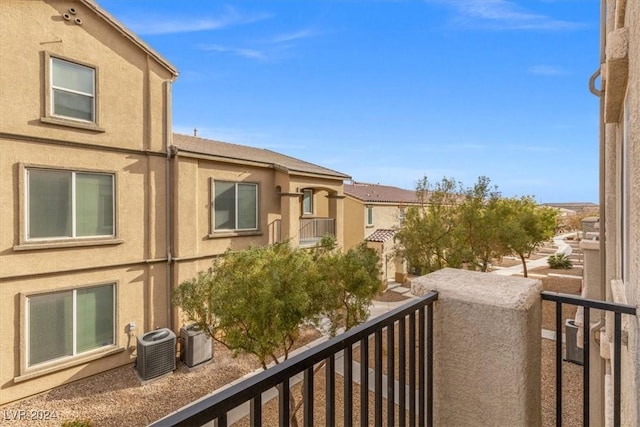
<point>486,348</point>
<point>279,199</point>
<point>624,34</point>
<point>129,141</point>
<point>385,216</point>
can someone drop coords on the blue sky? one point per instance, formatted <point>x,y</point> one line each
<point>391,91</point>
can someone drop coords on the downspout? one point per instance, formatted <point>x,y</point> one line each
<point>168,200</point>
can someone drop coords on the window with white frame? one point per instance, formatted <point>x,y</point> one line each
<point>369,215</point>
<point>307,202</point>
<point>69,323</point>
<point>73,90</point>
<point>67,204</point>
<point>625,195</point>
<point>235,206</point>
<point>401,215</point>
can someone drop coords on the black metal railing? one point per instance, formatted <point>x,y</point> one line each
<point>414,385</point>
<point>588,304</point>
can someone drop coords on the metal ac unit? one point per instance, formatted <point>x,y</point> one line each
<point>156,353</point>
<point>196,346</point>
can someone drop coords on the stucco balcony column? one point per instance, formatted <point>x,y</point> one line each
<point>487,348</point>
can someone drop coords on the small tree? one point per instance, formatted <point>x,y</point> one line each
<point>427,238</point>
<point>526,226</point>
<point>256,300</point>
<point>253,300</point>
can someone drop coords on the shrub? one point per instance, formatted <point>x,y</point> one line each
<point>560,261</point>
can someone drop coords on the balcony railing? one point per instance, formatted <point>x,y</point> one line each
<point>410,395</point>
<point>588,304</point>
<point>314,229</point>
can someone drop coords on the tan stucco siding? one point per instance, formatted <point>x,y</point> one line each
<point>140,299</point>
<point>353,222</point>
<point>129,91</point>
<point>139,216</point>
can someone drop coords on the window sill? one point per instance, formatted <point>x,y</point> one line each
<point>72,123</point>
<point>71,243</point>
<point>31,373</point>
<point>369,226</point>
<point>227,234</point>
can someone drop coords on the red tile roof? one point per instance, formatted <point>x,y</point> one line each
<point>381,235</point>
<point>380,193</point>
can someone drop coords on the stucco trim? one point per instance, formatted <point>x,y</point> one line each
<point>72,124</point>
<point>49,117</point>
<point>131,36</point>
<point>54,244</point>
<point>69,364</point>
<point>26,244</point>
<point>227,234</point>
<point>80,145</point>
<point>29,372</point>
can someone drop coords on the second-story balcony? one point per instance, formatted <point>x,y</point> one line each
<point>312,230</point>
<point>467,352</point>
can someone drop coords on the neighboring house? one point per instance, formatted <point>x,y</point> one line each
<point>232,196</point>
<point>84,120</point>
<point>373,213</point>
<point>615,274</point>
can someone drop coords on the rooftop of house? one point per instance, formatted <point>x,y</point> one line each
<point>381,235</point>
<point>222,151</point>
<point>574,206</point>
<point>380,193</point>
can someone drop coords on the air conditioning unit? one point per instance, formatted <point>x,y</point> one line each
<point>156,353</point>
<point>196,346</point>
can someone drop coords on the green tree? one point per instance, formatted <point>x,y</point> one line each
<point>478,226</point>
<point>427,238</point>
<point>256,300</point>
<point>253,300</point>
<point>346,284</point>
<point>525,226</point>
<point>468,227</point>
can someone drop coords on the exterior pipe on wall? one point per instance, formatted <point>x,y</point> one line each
<point>168,200</point>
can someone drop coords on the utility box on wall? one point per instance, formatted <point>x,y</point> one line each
<point>196,346</point>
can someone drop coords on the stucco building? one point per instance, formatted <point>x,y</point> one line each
<point>373,213</point>
<point>232,196</point>
<point>84,130</point>
<point>104,209</point>
<point>615,261</point>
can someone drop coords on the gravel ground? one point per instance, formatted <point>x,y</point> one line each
<point>116,397</point>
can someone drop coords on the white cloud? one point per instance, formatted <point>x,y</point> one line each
<point>153,25</point>
<point>504,15</point>
<point>243,52</point>
<point>546,70</point>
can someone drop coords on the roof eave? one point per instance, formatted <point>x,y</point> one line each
<point>131,36</point>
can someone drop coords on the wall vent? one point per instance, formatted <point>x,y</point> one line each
<point>196,346</point>
<point>156,353</point>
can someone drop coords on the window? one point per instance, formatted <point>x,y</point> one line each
<point>68,323</point>
<point>307,202</point>
<point>64,204</point>
<point>369,216</point>
<point>235,206</point>
<point>401,215</point>
<point>73,90</point>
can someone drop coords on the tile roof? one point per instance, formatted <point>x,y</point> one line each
<point>381,235</point>
<point>380,193</point>
<point>225,150</point>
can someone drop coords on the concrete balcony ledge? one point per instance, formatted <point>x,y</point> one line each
<point>487,348</point>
